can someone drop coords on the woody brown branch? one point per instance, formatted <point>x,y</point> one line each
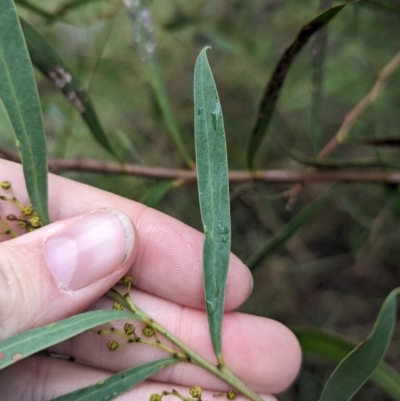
<point>186,176</point>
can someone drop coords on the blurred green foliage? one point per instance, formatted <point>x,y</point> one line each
<point>338,267</point>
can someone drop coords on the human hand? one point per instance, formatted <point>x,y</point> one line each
<point>164,258</point>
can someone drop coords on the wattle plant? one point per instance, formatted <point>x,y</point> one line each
<point>19,44</point>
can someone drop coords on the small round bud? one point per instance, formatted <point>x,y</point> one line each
<point>5,184</point>
<point>22,224</point>
<point>27,210</point>
<point>126,280</point>
<point>148,331</point>
<point>231,395</point>
<point>155,397</point>
<point>117,306</point>
<point>12,217</point>
<point>35,222</point>
<point>195,392</point>
<point>112,345</point>
<point>129,328</point>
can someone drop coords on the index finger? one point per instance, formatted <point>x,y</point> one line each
<point>169,261</point>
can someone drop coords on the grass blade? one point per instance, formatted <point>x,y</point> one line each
<point>144,37</point>
<point>29,342</point>
<point>117,384</point>
<point>275,83</point>
<point>332,346</point>
<point>20,97</point>
<point>358,366</point>
<point>51,65</point>
<point>213,185</point>
<point>288,230</point>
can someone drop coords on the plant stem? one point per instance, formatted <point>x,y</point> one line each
<point>222,372</point>
<point>186,176</point>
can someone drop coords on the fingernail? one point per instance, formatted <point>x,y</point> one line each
<point>90,248</point>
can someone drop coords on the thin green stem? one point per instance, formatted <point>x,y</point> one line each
<point>222,372</point>
<point>164,347</point>
<point>180,396</point>
<point>7,230</point>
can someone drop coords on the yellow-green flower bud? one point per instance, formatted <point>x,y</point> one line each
<point>27,210</point>
<point>155,397</point>
<point>148,331</point>
<point>5,184</point>
<point>231,395</point>
<point>126,280</point>
<point>195,392</point>
<point>117,306</point>
<point>35,222</point>
<point>129,328</point>
<point>112,345</point>
<point>22,224</point>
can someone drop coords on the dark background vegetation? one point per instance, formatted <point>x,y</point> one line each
<point>336,270</point>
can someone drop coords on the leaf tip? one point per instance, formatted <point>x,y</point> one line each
<point>205,48</point>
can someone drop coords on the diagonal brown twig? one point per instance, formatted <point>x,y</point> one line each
<point>351,117</point>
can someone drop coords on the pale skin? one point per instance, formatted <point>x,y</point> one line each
<point>165,264</point>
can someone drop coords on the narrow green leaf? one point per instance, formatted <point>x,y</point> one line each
<point>117,384</point>
<point>332,346</point>
<point>213,186</point>
<point>358,366</point>
<point>272,90</point>
<point>143,32</point>
<point>20,97</point>
<point>29,342</point>
<point>155,194</point>
<point>288,230</point>
<point>51,65</point>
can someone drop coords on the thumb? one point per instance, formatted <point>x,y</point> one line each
<point>60,269</point>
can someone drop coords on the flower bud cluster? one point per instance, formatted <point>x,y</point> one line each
<point>28,220</point>
<point>195,395</point>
